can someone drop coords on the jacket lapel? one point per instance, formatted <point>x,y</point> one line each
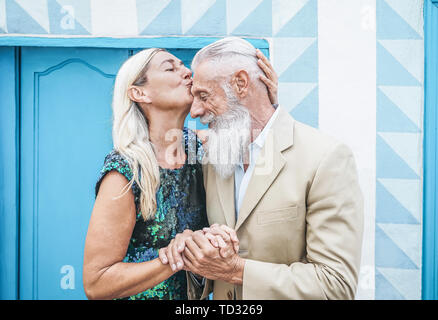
<point>268,165</point>
<point>225,190</point>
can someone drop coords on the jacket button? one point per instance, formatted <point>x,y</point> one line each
<point>229,295</point>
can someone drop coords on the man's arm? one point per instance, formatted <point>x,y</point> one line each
<point>334,240</point>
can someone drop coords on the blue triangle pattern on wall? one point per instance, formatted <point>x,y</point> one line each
<point>19,21</point>
<point>57,20</point>
<point>391,165</point>
<point>389,210</point>
<point>390,72</point>
<point>388,254</point>
<point>303,24</point>
<point>397,255</point>
<point>307,110</point>
<point>391,26</point>
<point>168,20</point>
<point>305,68</point>
<point>390,118</point>
<point>385,290</point>
<point>213,22</point>
<point>258,23</point>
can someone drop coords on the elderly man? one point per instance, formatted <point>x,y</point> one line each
<point>289,193</point>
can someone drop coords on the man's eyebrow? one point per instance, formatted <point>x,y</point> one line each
<point>197,90</point>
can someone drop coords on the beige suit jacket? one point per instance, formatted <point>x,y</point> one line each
<point>301,220</point>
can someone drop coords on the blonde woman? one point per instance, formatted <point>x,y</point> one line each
<point>151,186</point>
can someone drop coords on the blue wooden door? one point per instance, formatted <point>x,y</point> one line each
<point>65,134</point>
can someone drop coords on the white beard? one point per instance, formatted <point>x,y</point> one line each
<point>228,138</point>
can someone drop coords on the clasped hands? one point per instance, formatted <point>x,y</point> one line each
<point>211,252</point>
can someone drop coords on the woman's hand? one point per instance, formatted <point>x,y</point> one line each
<point>172,254</point>
<point>270,78</point>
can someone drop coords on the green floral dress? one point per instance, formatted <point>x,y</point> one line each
<point>180,206</point>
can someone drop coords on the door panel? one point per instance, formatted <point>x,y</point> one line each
<point>66,133</point>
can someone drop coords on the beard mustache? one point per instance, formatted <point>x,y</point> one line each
<point>228,137</point>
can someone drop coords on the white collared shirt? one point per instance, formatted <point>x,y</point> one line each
<point>242,178</point>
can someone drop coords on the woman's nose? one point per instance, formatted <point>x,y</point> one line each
<point>187,73</point>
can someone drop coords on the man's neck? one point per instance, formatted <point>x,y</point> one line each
<point>259,119</point>
<point>260,109</point>
<point>260,115</point>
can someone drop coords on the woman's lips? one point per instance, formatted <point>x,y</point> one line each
<point>189,87</point>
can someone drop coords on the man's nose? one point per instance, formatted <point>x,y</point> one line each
<point>196,110</point>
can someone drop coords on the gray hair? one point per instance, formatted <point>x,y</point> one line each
<point>230,54</point>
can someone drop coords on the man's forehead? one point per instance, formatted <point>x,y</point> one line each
<point>202,80</point>
<point>202,84</point>
<point>206,78</point>
<point>205,71</point>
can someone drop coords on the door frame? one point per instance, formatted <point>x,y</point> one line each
<point>430,183</point>
<point>10,129</point>
<point>112,42</point>
<point>9,172</point>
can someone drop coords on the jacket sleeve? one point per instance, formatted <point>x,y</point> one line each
<point>334,226</point>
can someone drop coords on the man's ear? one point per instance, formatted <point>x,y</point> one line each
<point>138,94</point>
<point>241,83</point>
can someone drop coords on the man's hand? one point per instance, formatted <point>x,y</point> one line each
<point>218,236</point>
<point>224,235</point>
<point>201,257</point>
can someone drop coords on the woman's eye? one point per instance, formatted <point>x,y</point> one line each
<point>170,69</point>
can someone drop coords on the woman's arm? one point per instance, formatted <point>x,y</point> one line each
<point>112,221</point>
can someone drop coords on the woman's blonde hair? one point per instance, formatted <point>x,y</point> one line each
<point>131,132</point>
